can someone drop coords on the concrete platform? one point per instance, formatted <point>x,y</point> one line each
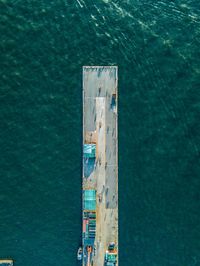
<point>100,102</point>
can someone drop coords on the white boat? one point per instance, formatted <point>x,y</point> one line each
<point>80,253</point>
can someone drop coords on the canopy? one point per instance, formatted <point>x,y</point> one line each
<point>89,150</point>
<point>89,200</point>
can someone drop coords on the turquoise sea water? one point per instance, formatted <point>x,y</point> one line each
<point>43,47</point>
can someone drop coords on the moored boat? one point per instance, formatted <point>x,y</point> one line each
<point>79,253</point>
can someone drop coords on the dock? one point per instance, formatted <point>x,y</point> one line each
<point>100,166</point>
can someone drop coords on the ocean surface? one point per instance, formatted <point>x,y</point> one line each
<point>43,46</point>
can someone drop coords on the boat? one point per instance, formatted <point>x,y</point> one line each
<point>79,253</point>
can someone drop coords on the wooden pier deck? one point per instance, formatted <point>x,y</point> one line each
<point>100,120</point>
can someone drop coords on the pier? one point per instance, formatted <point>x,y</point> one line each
<point>100,166</point>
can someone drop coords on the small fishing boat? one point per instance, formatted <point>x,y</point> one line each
<point>80,253</point>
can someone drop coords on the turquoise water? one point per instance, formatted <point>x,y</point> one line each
<point>43,47</point>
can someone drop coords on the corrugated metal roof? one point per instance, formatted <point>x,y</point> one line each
<point>89,199</point>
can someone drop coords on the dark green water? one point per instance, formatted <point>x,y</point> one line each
<point>43,47</point>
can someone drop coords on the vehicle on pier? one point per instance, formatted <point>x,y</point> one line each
<point>111,255</point>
